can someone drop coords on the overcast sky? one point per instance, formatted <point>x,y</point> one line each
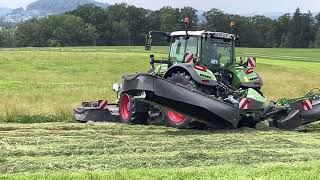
<point>231,6</point>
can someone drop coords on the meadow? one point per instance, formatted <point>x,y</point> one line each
<point>39,88</point>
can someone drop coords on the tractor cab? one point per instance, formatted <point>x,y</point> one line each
<point>213,50</point>
<point>209,57</point>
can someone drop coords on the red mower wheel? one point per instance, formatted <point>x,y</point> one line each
<point>127,110</point>
<point>175,117</point>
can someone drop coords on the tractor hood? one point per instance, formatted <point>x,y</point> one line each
<point>246,77</point>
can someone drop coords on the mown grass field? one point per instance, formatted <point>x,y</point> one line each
<point>117,151</point>
<point>43,85</point>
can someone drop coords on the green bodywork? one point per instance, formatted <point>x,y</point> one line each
<point>161,69</point>
<point>207,75</point>
<point>241,77</point>
<point>253,94</point>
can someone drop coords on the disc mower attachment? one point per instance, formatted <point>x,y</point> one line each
<point>310,114</point>
<point>97,111</point>
<point>163,93</point>
<point>301,112</point>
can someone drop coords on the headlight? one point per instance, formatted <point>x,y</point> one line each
<point>116,87</point>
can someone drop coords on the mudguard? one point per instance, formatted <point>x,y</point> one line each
<point>190,69</point>
<point>164,93</point>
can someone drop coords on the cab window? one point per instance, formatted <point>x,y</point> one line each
<point>216,53</point>
<point>177,49</point>
<point>180,46</point>
<point>192,46</point>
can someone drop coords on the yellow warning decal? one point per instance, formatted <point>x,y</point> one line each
<point>246,79</point>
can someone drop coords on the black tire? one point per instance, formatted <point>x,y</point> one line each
<point>127,111</point>
<point>174,119</point>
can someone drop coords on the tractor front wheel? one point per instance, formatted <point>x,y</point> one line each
<point>175,119</point>
<point>127,111</point>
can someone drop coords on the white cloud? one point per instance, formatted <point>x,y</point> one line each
<point>14,3</point>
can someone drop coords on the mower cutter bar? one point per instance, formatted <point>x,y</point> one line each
<point>98,111</point>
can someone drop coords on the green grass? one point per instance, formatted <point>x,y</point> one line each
<point>43,85</point>
<point>117,151</point>
<point>34,82</point>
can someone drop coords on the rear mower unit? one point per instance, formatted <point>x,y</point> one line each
<point>200,85</point>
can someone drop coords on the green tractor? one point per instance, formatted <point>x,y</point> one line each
<point>200,85</point>
<point>204,61</point>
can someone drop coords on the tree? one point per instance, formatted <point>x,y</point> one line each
<point>153,19</point>
<point>6,37</point>
<point>121,37</point>
<point>317,20</point>
<point>123,24</point>
<point>317,39</point>
<point>168,19</point>
<point>278,36</point>
<point>300,32</point>
<point>137,23</point>
<point>96,16</point>
<point>69,30</point>
<point>284,41</point>
<point>118,24</point>
<point>262,27</point>
<point>57,30</point>
<point>1,40</point>
<point>217,20</point>
<point>29,34</point>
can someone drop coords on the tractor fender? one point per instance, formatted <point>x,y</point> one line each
<point>188,68</point>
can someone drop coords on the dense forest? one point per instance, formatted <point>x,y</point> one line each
<point>123,24</point>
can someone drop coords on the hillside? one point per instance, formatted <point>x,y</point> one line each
<point>42,8</point>
<point>60,6</point>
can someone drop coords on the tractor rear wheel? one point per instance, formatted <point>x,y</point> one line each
<point>175,119</point>
<point>127,111</point>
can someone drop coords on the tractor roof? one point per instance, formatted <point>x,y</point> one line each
<point>221,35</point>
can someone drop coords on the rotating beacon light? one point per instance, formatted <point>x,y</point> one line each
<point>186,21</point>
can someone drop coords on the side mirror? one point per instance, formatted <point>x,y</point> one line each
<point>148,43</point>
<point>152,61</point>
<point>241,61</point>
<point>167,38</point>
<point>252,62</point>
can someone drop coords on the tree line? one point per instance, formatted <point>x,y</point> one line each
<point>123,24</point>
